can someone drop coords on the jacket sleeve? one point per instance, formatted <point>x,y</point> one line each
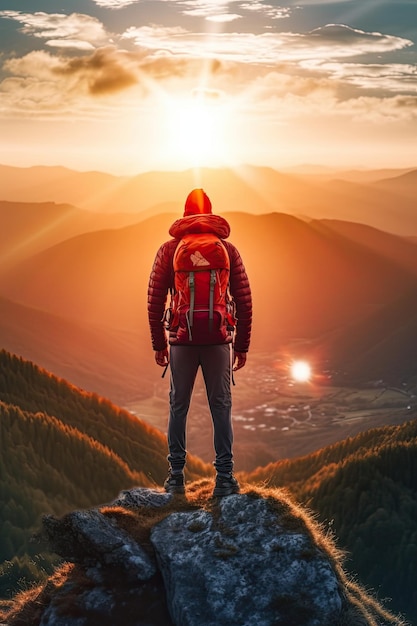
<point>160,282</point>
<point>241,293</point>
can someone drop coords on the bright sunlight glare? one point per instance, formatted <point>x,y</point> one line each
<point>301,371</point>
<point>197,130</point>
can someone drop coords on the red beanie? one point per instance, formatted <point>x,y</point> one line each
<point>197,203</point>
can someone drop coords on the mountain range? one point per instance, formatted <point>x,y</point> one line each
<point>384,199</point>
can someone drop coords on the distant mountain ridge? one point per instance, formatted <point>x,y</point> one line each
<point>404,184</point>
<point>28,227</point>
<point>99,360</point>
<point>50,183</point>
<point>388,204</point>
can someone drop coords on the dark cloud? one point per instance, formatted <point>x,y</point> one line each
<point>106,70</point>
<point>109,70</point>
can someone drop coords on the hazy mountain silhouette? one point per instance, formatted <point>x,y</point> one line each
<point>401,250</point>
<point>404,185</point>
<point>91,357</point>
<point>354,175</point>
<point>29,227</point>
<point>383,343</point>
<point>248,188</point>
<point>56,184</point>
<point>369,204</point>
<point>98,277</point>
<point>381,346</point>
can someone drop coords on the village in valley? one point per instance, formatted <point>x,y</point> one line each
<point>276,417</point>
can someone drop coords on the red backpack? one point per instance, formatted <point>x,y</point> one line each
<point>202,308</point>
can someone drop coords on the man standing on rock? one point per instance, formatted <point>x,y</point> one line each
<point>209,322</point>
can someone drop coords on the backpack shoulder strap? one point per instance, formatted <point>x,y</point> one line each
<point>211,298</point>
<point>191,283</point>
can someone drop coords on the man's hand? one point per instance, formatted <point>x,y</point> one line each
<point>239,360</point>
<point>162,357</point>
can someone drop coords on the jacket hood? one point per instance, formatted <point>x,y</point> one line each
<point>214,224</point>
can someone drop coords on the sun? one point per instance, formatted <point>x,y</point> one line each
<point>301,371</point>
<point>197,130</point>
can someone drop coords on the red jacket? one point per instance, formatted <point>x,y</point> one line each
<point>162,279</point>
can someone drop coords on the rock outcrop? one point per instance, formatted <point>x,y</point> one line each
<point>243,566</point>
<point>152,559</point>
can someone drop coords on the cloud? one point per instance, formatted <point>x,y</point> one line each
<point>271,11</point>
<point>156,37</point>
<point>381,110</point>
<point>213,11</point>
<point>218,10</point>
<point>321,2</point>
<point>34,91</point>
<point>47,87</point>
<point>115,4</point>
<point>344,39</point>
<point>280,83</point>
<point>106,71</point>
<point>285,97</point>
<point>70,43</point>
<point>280,97</point>
<point>327,43</point>
<point>67,81</point>
<point>35,65</point>
<point>75,30</point>
<point>388,77</point>
<point>223,17</point>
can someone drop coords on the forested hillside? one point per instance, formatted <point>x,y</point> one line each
<point>62,448</point>
<point>365,489</point>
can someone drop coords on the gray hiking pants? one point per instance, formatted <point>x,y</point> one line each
<point>215,362</point>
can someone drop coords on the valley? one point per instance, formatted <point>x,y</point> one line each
<point>275,418</point>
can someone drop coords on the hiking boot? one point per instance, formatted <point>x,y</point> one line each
<point>225,486</point>
<point>174,483</point>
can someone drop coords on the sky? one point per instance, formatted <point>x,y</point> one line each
<point>127,86</point>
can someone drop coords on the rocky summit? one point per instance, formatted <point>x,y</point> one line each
<point>153,559</point>
<point>243,567</point>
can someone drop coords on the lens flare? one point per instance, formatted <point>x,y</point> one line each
<point>301,371</point>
